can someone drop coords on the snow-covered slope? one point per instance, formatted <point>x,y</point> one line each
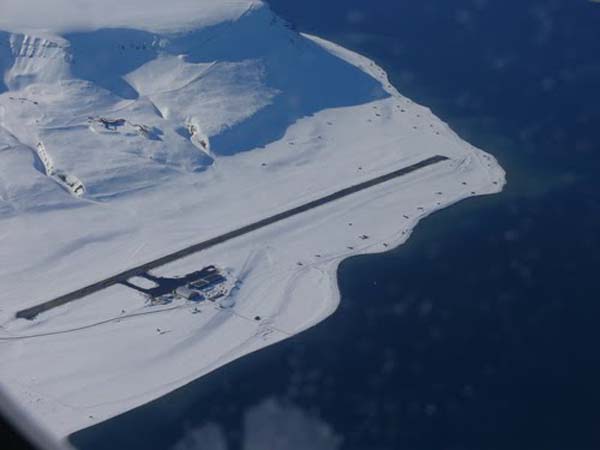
<point>130,132</point>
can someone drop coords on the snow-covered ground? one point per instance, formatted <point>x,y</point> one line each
<point>181,125</point>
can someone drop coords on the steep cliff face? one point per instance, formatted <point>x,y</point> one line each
<point>35,60</point>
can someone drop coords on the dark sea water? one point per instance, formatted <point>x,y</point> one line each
<point>482,332</point>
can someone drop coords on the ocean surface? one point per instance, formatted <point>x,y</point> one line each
<point>480,333</point>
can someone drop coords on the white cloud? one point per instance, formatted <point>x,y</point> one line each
<point>207,437</point>
<point>275,425</point>
<point>58,16</point>
<point>271,424</point>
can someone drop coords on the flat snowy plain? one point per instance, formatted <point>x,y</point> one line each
<point>220,115</point>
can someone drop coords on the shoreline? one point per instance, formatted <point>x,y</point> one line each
<point>295,299</point>
<point>176,402</point>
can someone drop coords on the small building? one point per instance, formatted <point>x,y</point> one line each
<point>208,281</point>
<point>199,284</point>
<point>215,278</point>
<point>189,294</point>
<point>112,124</point>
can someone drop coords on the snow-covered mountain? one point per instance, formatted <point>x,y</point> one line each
<point>128,131</point>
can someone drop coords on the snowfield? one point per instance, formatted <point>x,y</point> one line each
<point>130,132</point>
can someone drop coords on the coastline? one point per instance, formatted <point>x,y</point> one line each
<point>177,412</point>
<point>478,407</point>
<point>383,202</point>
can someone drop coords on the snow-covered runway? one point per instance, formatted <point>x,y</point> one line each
<point>32,312</point>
